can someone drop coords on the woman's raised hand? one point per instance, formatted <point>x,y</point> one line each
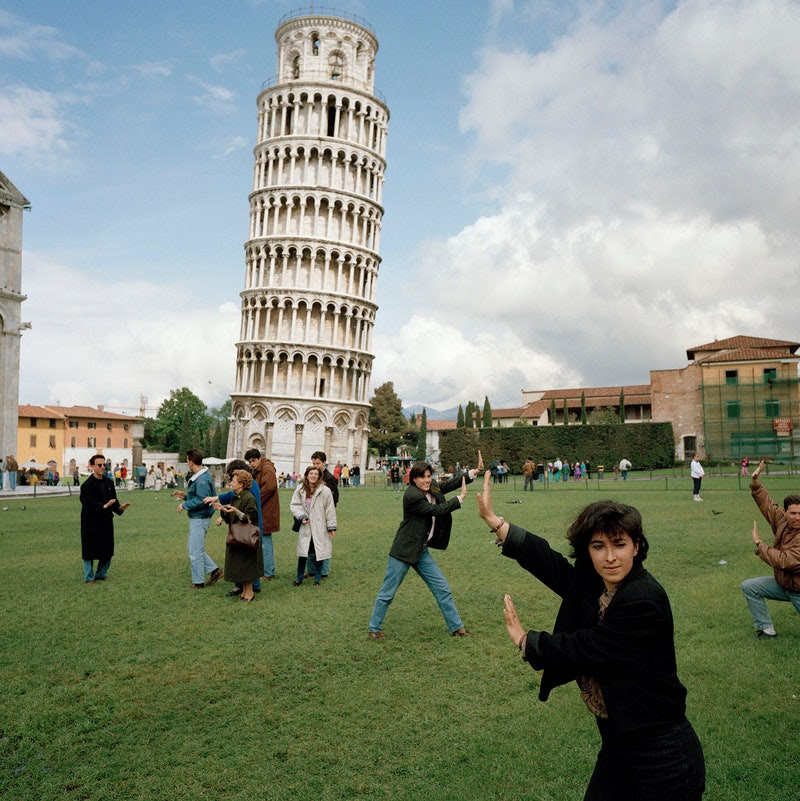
<point>485,509</point>
<point>514,628</point>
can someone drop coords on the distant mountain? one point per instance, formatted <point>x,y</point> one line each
<point>431,413</point>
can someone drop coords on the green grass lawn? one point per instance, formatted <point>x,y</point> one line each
<point>140,688</point>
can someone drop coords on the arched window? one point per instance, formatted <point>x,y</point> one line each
<point>315,44</point>
<point>296,67</point>
<point>336,65</point>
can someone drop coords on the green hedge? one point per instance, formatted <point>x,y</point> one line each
<point>647,445</point>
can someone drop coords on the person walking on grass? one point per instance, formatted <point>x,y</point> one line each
<point>99,504</point>
<point>614,637</point>
<point>199,486</point>
<point>783,557</point>
<point>696,471</point>
<point>427,521</point>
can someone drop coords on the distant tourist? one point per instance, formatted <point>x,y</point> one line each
<point>99,504</point>
<point>624,467</point>
<point>696,471</point>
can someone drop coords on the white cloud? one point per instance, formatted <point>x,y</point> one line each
<point>156,69</point>
<point>647,169</point>
<point>437,364</point>
<point>97,341</point>
<point>215,98</point>
<point>22,40</point>
<point>221,61</point>
<point>32,121</point>
<point>234,145</point>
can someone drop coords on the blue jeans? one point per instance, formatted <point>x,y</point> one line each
<point>12,479</point>
<point>200,561</point>
<point>757,590</point>
<point>102,569</point>
<point>431,574</point>
<point>665,764</point>
<point>269,554</point>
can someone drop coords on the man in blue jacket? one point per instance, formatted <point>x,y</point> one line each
<point>200,486</point>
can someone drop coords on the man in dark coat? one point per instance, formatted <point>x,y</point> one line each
<point>99,504</point>
<point>320,460</point>
<point>266,482</point>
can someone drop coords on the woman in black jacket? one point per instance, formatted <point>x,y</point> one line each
<point>427,520</point>
<point>614,636</point>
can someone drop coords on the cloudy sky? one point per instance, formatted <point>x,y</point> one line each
<point>576,192</point>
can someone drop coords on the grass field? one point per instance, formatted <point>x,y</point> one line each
<point>140,688</point>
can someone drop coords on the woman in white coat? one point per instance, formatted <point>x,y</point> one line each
<point>313,508</point>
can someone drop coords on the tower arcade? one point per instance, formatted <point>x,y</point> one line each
<point>303,360</point>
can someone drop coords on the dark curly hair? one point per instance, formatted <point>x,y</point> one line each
<point>608,517</point>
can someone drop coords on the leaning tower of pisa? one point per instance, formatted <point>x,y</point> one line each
<point>303,359</point>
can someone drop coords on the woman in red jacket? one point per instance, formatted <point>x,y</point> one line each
<point>614,636</point>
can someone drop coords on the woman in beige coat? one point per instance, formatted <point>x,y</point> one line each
<point>313,509</point>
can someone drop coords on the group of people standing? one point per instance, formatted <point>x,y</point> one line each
<point>613,634</point>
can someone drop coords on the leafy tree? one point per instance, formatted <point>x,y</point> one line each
<point>552,411</point>
<point>622,406</point>
<point>387,422</point>
<point>487,412</point>
<point>460,417</point>
<point>221,424</point>
<point>605,415</point>
<point>583,408</point>
<point>422,436</point>
<point>182,414</point>
<point>469,415</point>
<point>185,438</point>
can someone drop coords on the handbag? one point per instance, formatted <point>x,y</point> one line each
<point>243,535</point>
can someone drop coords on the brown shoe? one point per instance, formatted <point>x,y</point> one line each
<point>215,576</point>
<point>376,635</point>
<point>196,586</point>
<point>462,632</point>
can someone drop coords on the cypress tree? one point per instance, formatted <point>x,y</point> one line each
<point>583,408</point>
<point>566,413</point>
<point>622,406</point>
<point>487,412</point>
<point>552,411</point>
<point>460,417</point>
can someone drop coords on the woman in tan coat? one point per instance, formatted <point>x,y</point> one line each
<point>313,507</point>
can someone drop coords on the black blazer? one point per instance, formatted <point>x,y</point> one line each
<point>631,652</point>
<point>412,536</point>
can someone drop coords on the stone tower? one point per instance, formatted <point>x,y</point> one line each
<point>12,204</point>
<point>303,360</point>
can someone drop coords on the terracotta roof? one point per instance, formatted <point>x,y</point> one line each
<point>603,396</point>
<point>39,411</point>
<point>92,413</point>
<point>744,343</point>
<point>748,355</point>
<point>515,411</point>
<point>440,425</point>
